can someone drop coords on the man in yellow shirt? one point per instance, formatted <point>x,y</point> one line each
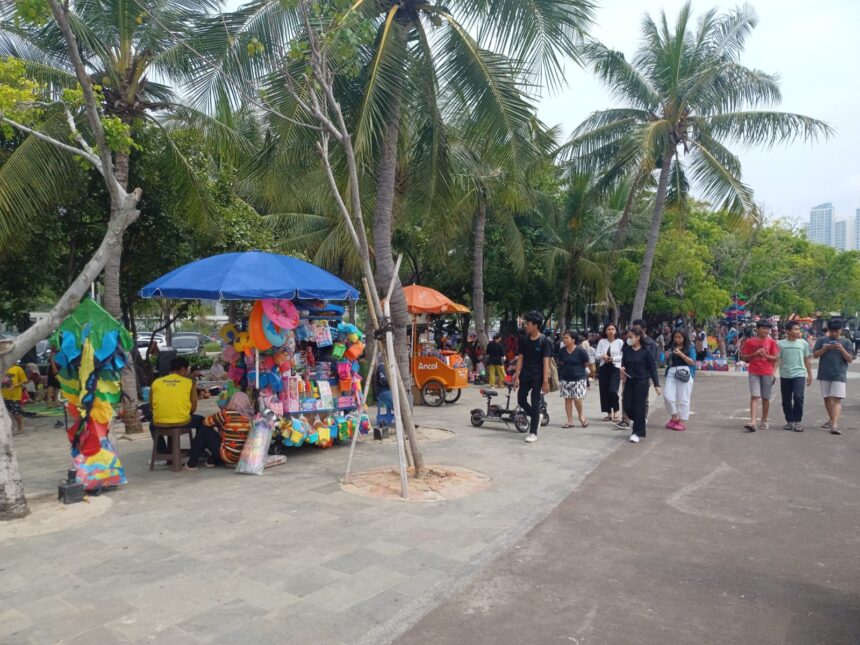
<point>13,391</point>
<point>174,402</point>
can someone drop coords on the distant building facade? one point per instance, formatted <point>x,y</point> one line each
<point>820,229</point>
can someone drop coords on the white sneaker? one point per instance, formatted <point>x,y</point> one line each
<point>634,438</point>
<point>531,438</point>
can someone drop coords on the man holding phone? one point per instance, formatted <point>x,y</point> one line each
<point>834,354</point>
<point>762,354</point>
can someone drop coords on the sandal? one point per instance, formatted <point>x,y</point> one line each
<point>584,423</point>
<point>567,425</point>
<point>607,418</point>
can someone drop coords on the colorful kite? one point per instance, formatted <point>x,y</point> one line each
<point>91,348</point>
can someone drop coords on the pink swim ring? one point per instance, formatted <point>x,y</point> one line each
<point>281,312</point>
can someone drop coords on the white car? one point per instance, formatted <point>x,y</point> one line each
<point>142,342</point>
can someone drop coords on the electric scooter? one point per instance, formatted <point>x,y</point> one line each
<point>507,414</point>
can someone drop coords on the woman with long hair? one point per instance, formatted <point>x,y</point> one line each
<point>573,368</point>
<point>609,372</point>
<point>638,370</point>
<point>680,372</point>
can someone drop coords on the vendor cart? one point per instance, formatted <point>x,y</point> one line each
<point>440,376</point>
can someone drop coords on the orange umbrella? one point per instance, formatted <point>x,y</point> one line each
<point>424,300</point>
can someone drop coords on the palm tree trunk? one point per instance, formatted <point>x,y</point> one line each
<point>653,238</point>
<point>479,228</point>
<point>113,304</point>
<point>383,225</point>
<point>565,295</point>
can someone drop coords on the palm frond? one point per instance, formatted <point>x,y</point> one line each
<point>35,178</point>
<point>759,128</point>
<point>622,78</point>
<point>541,33</point>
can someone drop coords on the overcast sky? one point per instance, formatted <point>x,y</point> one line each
<point>815,48</point>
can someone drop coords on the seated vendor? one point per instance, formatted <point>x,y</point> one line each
<point>233,424</point>
<point>174,401</point>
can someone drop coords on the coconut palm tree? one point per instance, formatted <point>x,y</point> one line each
<point>578,238</point>
<point>122,44</point>
<point>423,59</point>
<point>684,95</point>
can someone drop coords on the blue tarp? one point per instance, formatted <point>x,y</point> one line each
<point>249,276</point>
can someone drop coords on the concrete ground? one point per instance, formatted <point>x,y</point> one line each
<point>708,536</point>
<point>288,557</point>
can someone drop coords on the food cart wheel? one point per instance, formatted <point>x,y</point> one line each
<point>521,422</point>
<point>433,394</point>
<point>477,418</point>
<point>452,396</point>
<point>544,418</point>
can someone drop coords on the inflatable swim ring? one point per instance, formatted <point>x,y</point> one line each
<point>281,312</point>
<point>255,327</point>
<point>274,334</point>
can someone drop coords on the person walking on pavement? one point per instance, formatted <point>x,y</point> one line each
<point>680,375</point>
<point>638,371</point>
<point>608,372</point>
<point>651,345</point>
<point>573,368</point>
<point>834,354</point>
<point>762,354</point>
<point>795,374</point>
<point>495,362</point>
<point>531,376</point>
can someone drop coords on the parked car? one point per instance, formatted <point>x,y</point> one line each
<point>142,342</point>
<point>188,343</point>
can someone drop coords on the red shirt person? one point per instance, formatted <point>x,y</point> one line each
<point>762,354</point>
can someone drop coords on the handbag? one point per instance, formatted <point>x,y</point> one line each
<point>553,376</point>
<point>682,374</point>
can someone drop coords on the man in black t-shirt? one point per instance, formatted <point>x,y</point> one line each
<point>532,371</point>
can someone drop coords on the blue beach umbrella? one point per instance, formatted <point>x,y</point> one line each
<point>252,275</point>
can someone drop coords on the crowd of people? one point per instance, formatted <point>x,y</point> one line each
<point>626,364</point>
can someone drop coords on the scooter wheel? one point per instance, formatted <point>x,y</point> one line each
<point>521,422</point>
<point>477,418</point>
<point>544,419</point>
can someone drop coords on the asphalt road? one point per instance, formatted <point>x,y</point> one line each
<point>712,535</point>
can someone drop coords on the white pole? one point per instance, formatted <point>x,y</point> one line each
<point>257,366</point>
<point>395,397</point>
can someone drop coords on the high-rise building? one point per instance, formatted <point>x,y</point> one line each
<point>840,235</point>
<point>857,230</point>
<point>820,228</point>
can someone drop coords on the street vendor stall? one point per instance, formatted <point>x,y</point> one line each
<point>440,375</point>
<point>293,349</point>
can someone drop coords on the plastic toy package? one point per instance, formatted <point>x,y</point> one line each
<point>256,450</point>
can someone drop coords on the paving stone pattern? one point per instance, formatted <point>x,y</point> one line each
<point>215,557</point>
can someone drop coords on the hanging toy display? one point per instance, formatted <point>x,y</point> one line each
<point>303,361</point>
<point>90,352</point>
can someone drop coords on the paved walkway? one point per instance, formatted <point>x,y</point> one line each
<point>710,536</point>
<point>288,557</point>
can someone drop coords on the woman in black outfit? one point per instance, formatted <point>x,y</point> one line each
<point>608,352</point>
<point>637,367</point>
